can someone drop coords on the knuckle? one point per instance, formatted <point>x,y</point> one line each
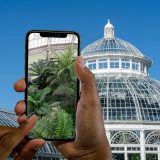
<point>7,142</point>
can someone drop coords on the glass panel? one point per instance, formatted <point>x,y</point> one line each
<point>151,156</point>
<point>135,65</point>
<point>134,156</point>
<point>92,65</point>
<point>103,63</point>
<point>114,63</point>
<point>117,156</point>
<point>126,64</point>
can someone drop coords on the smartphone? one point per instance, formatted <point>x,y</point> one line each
<point>52,90</point>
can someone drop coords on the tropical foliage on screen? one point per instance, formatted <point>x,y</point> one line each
<point>52,96</point>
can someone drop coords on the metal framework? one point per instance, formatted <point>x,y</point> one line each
<point>125,137</point>
<point>153,138</point>
<point>130,98</point>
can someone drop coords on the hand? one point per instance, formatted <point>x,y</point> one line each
<point>91,141</point>
<point>11,138</point>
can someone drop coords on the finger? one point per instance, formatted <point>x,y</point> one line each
<point>13,136</point>
<point>4,130</point>
<point>26,127</point>
<point>20,85</point>
<point>30,149</point>
<point>6,145</point>
<point>67,148</point>
<point>88,84</point>
<point>22,118</point>
<point>20,107</point>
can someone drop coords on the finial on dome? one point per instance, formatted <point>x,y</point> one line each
<point>108,30</point>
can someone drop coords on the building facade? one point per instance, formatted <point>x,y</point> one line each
<point>130,98</point>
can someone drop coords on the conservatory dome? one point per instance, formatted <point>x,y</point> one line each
<point>111,45</point>
<point>128,98</point>
<point>126,91</point>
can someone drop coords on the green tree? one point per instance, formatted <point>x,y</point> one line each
<point>65,92</point>
<point>58,124</point>
<point>37,101</point>
<point>39,72</point>
<point>53,85</point>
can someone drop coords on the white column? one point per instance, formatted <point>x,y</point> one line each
<point>145,69</point>
<point>125,153</point>
<point>158,152</point>
<point>120,63</point>
<point>142,144</point>
<point>130,64</point>
<point>108,61</point>
<point>97,67</point>
<point>108,136</point>
<point>139,67</point>
<point>86,63</point>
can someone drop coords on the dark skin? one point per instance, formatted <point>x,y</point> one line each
<point>11,137</point>
<point>90,143</point>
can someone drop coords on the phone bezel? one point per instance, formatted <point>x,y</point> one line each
<point>26,69</point>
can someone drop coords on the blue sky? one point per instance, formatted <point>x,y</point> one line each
<point>136,21</point>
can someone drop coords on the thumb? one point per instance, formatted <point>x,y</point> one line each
<point>88,83</point>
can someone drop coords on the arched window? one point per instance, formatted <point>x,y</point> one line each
<point>125,137</point>
<point>153,138</point>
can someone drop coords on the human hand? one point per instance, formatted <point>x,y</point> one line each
<point>13,139</point>
<point>91,141</point>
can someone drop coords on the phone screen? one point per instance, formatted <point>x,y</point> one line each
<point>52,86</point>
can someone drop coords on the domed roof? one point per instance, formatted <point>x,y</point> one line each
<point>125,95</point>
<point>128,98</point>
<point>111,46</point>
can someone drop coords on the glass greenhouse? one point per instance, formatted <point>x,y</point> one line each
<point>130,98</point>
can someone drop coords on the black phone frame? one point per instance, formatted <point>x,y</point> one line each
<point>26,71</point>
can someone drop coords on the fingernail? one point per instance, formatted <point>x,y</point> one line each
<point>81,60</point>
<point>40,145</point>
<point>37,148</point>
